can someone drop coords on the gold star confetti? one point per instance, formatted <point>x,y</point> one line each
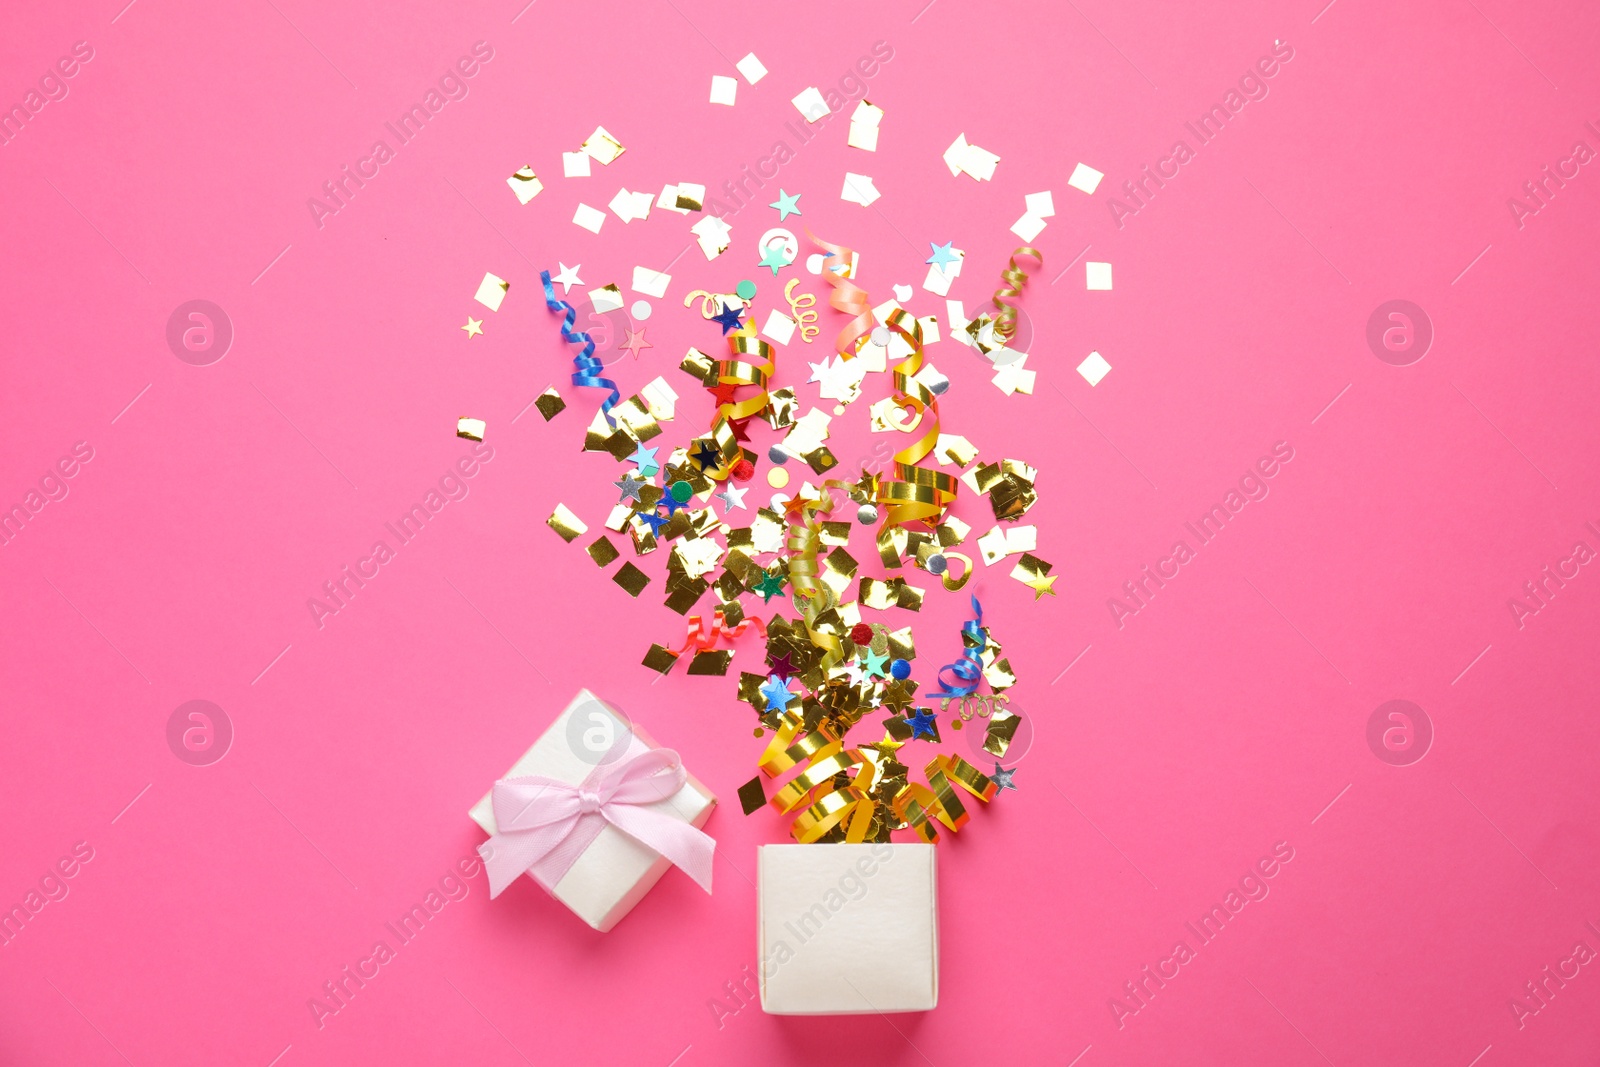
<point>474,327</point>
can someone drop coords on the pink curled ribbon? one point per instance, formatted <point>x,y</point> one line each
<point>544,825</point>
<point>701,637</point>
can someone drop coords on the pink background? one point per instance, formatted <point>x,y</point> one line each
<point>1227,716</point>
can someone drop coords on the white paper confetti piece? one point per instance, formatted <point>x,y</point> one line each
<point>1040,204</point>
<point>713,235</point>
<point>810,104</point>
<point>575,164</point>
<point>1094,368</point>
<point>622,205</point>
<point>526,184</point>
<point>1028,226</point>
<point>937,282</point>
<point>779,327</point>
<point>1097,275</point>
<point>590,218</point>
<point>471,429</point>
<point>660,399</point>
<point>668,200</point>
<point>723,89</point>
<point>602,146</point>
<point>751,68</point>
<point>955,155</point>
<point>650,282</point>
<point>491,291</point>
<point>1086,178</point>
<point>863,137</point>
<point>858,189</point>
<point>641,204</point>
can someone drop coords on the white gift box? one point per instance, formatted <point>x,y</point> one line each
<point>847,929</point>
<point>615,871</point>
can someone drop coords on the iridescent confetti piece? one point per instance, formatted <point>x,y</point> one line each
<point>491,291</point>
<point>602,147</point>
<point>1085,178</point>
<point>471,429</point>
<point>810,104</point>
<point>565,523</point>
<point>750,67</point>
<point>550,404</point>
<point>526,184</point>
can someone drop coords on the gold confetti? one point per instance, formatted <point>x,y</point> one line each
<point>631,578</point>
<point>565,523</point>
<point>471,429</point>
<point>550,404</point>
<point>602,551</point>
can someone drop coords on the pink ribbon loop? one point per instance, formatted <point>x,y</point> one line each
<point>544,825</point>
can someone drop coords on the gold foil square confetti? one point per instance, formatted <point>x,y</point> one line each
<point>659,659</point>
<point>606,298</point>
<point>690,197</point>
<point>712,661</point>
<point>752,797</point>
<point>602,147</point>
<point>550,404</point>
<point>525,184</point>
<point>602,551</point>
<point>993,546</point>
<point>471,429</point>
<point>683,593</point>
<point>491,291</point>
<point>631,578</point>
<point>565,523</point>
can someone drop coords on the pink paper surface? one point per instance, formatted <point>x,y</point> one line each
<point>1176,746</point>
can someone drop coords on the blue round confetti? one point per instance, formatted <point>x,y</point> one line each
<point>900,668</point>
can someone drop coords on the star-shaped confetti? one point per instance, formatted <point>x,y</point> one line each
<point>630,488</point>
<point>568,278</point>
<point>922,724</point>
<point>877,666</point>
<point>653,520</point>
<point>635,342</point>
<point>777,693</point>
<point>942,254</point>
<point>1041,585</point>
<point>772,256</point>
<point>646,459</point>
<point>733,498</point>
<point>819,371</point>
<point>1002,778</point>
<point>723,393</point>
<point>770,586</point>
<point>474,327</point>
<point>706,456</point>
<point>729,317</point>
<point>782,665</point>
<point>787,205</point>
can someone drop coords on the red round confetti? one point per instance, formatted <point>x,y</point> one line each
<point>861,634</point>
<point>743,471</point>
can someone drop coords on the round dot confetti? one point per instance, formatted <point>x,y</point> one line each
<point>955,724</point>
<point>936,564</point>
<point>861,634</point>
<point>746,289</point>
<point>682,491</point>
<point>900,669</point>
<point>743,470</point>
<point>777,454</point>
<point>880,336</point>
<point>777,477</point>
<point>640,310</point>
<point>867,515</point>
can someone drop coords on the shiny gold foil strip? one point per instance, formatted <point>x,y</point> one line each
<point>1012,279</point>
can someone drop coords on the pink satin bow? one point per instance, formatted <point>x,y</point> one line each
<point>544,825</point>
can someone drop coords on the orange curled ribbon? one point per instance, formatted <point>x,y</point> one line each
<point>1014,278</point>
<point>702,638</point>
<point>846,296</point>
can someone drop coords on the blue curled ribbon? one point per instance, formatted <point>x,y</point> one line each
<point>586,367</point>
<point>969,668</point>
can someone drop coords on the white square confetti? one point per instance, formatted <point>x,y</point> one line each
<point>471,429</point>
<point>622,205</point>
<point>602,146</point>
<point>660,399</point>
<point>713,235</point>
<point>526,184</point>
<point>650,282</point>
<point>641,205</point>
<point>1085,177</point>
<point>937,282</point>
<point>1040,204</point>
<point>590,218</point>
<point>863,137</point>
<point>1094,368</point>
<point>779,327</point>
<point>751,68</point>
<point>810,104</point>
<point>669,200</point>
<point>1097,275</point>
<point>723,89</point>
<point>858,189</point>
<point>491,291</point>
<point>575,164</point>
<point>1028,226</point>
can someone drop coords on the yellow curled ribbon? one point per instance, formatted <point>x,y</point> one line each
<point>847,296</point>
<point>1014,278</point>
<point>914,493</point>
<point>801,307</point>
<point>739,373</point>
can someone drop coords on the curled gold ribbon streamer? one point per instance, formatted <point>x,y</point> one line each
<point>847,296</point>
<point>914,493</point>
<point>1013,278</point>
<point>739,373</point>
<point>803,310</point>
